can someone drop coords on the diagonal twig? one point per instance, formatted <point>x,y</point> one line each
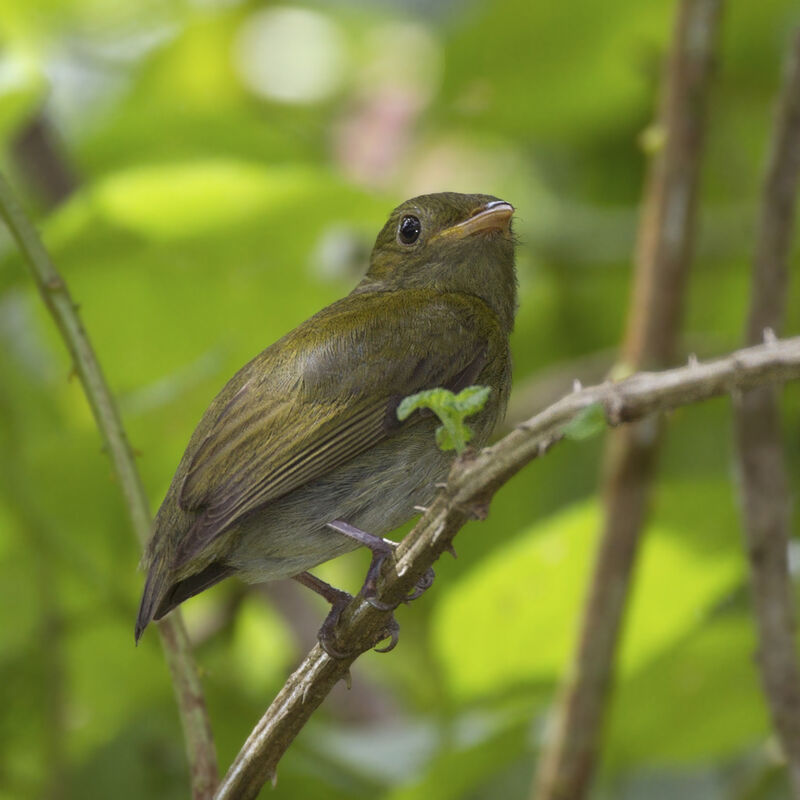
<point>762,469</point>
<point>472,482</point>
<point>55,294</point>
<point>666,237</point>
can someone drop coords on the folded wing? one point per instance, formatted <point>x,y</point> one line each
<point>332,400</point>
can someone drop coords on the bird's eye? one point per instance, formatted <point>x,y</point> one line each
<point>409,230</point>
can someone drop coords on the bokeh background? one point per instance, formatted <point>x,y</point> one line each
<point>207,174</point>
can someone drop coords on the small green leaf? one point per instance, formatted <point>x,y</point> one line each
<point>444,440</point>
<point>452,409</point>
<point>472,399</point>
<point>588,423</point>
<point>454,437</point>
<point>430,398</point>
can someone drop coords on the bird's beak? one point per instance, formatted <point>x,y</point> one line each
<point>493,216</point>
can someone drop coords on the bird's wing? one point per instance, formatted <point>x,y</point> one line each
<point>334,398</point>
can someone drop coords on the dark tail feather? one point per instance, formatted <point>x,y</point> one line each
<point>156,603</point>
<point>153,592</point>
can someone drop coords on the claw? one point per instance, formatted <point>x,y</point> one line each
<point>423,584</point>
<point>325,644</point>
<point>327,635</point>
<point>393,630</point>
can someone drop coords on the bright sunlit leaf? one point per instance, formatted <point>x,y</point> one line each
<point>180,200</point>
<point>262,645</point>
<point>512,620</point>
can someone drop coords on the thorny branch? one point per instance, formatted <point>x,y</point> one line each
<point>764,483</point>
<point>55,294</point>
<point>473,481</point>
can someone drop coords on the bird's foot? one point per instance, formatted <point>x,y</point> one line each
<point>381,550</point>
<point>327,633</point>
<point>339,600</point>
<point>423,584</point>
<point>392,632</point>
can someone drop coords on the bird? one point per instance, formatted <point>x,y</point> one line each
<point>301,456</point>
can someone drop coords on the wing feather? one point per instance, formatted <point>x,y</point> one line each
<point>279,431</point>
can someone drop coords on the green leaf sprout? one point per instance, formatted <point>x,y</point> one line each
<point>452,410</point>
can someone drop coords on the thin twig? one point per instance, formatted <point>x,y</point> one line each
<point>53,289</point>
<point>548,385</point>
<point>664,248</point>
<point>545,387</point>
<point>472,482</point>
<point>764,483</point>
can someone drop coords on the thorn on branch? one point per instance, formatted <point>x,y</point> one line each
<point>577,385</point>
<point>480,510</point>
<point>614,408</point>
<point>769,336</point>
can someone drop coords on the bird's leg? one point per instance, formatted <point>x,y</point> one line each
<point>338,600</point>
<point>381,549</point>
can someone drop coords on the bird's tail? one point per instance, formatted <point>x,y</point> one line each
<point>161,596</point>
<point>154,589</point>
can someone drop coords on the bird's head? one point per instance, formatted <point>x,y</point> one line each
<point>448,242</point>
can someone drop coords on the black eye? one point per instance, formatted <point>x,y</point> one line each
<point>409,230</point>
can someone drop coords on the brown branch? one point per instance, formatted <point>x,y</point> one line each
<point>39,159</point>
<point>550,384</point>
<point>666,230</point>
<point>553,382</point>
<point>764,484</point>
<point>662,264</point>
<point>472,482</point>
<point>54,292</point>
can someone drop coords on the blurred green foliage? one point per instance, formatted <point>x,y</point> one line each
<point>204,217</point>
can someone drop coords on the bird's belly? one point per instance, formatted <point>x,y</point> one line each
<point>375,492</point>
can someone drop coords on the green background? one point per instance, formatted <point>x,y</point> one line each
<point>206,216</point>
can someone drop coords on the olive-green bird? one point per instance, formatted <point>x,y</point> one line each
<point>301,457</point>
